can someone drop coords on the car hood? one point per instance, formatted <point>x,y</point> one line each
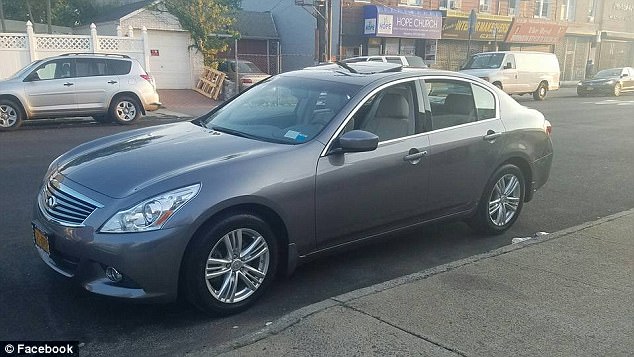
<point>120,165</point>
<point>599,80</point>
<point>482,72</point>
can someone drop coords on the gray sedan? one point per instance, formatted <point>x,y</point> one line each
<point>300,164</point>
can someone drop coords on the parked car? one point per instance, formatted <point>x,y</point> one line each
<point>106,87</point>
<point>517,72</point>
<point>248,72</point>
<point>612,81</point>
<point>405,61</point>
<point>303,163</point>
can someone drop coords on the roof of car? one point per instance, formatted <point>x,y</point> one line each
<point>339,74</point>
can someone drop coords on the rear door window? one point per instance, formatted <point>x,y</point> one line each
<point>451,101</point>
<point>484,102</point>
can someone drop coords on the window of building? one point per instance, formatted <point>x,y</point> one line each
<point>513,7</point>
<point>568,9</point>
<point>449,4</point>
<point>410,2</point>
<point>485,5</point>
<point>542,8</point>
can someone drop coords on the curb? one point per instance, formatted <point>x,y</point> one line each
<point>297,316</point>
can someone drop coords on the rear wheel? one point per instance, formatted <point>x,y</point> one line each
<point>501,202</point>
<point>541,92</point>
<point>617,90</point>
<point>498,84</point>
<point>230,265</point>
<point>11,115</point>
<point>125,110</point>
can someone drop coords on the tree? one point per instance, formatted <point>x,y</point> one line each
<point>209,23</point>
<point>63,12</point>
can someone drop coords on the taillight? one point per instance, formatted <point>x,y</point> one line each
<point>247,81</point>
<point>147,77</point>
<point>548,128</point>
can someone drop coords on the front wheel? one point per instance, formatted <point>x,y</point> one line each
<point>125,110</point>
<point>541,92</point>
<point>230,265</point>
<point>501,202</point>
<point>617,90</point>
<point>11,115</point>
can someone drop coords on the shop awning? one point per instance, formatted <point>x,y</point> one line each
<point>527,30</point>
<point>488,27</point>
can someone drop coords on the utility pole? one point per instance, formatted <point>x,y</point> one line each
<point>48,16</point>
<point>4,26</point>
<point>321,10</point>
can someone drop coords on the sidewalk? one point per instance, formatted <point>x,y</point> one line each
<point>566,294</point>
<point>183,103</point>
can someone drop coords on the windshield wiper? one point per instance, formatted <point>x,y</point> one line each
<point>234,132</point>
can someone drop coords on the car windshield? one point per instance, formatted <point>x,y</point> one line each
<point>246,67</point>
<point>288,110</point>
<point>489,60</point>
<point>26,69</point>
<point>608,73</point>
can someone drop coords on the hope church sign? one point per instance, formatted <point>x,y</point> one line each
<point>405,23</point>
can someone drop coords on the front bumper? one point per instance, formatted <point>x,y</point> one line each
<point>149,261</point>
<point>603,88</point>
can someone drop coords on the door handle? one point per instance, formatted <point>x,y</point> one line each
<point>112,82</point>
<point>68,84</point>
<point>414,156</point>
<point>491,135</point>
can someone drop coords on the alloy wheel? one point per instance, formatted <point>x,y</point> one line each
<point>126,111</point>
<point>237,265</point>
<point>8,116</point>
<point>617,89</point>
<point>504,200</point>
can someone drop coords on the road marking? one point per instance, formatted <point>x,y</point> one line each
<point>612,101</point>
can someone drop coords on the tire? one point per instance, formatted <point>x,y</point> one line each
<point>617,89</point>
<point>124,109</point>
<point>498,84</point>
<point>102,118</point>
<point>541,92</point>
<point>11,115</point>
<point>217,295</point>
<point>507,178</point>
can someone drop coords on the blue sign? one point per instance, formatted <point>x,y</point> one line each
<point>382,21</point>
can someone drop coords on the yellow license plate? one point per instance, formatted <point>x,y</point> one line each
<point>41,240</point>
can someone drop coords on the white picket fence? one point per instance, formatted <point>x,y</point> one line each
<point>19,49</point>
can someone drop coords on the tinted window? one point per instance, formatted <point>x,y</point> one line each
<point>86,67</point>
<point>284,110</point>
<point>118,67</point>
<point>484,102</point>
<point>489,60</point>
<point>451,103</point>
<point>375,59</point>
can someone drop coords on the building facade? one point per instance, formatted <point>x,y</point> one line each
<point>577,31</point>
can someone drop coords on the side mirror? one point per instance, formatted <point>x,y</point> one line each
<point>357,141</point>
<point>624,75</point>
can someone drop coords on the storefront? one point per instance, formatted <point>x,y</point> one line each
<point>393,31</point>
<point>490,32</point>
<point>528,34</point>
<point>615,47</point>
<point>575,49</point>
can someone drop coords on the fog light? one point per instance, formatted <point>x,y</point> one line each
<point>113,274</point>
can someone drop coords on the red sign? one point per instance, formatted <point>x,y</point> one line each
<point>154,53</point>
<point>526,30</point>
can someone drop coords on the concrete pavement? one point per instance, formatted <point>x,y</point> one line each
<point>569,293</point>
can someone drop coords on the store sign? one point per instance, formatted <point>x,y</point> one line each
<point>487,27</point>
<point>405,23</point>
<point>526,30</point>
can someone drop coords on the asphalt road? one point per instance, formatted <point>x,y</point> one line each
<point>591,177</point>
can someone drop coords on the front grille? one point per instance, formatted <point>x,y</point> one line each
<point>65,205</point>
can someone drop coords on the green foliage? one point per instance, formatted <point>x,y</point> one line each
<point>63,12</point>
<point>205,20</point>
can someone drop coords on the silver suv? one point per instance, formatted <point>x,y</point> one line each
<point>106,87</point>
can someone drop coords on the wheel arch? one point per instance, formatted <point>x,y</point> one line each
<point>17,101</point>
<point>525,167</point>
<point>269,215</point>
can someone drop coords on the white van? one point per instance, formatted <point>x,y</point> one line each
<point>517,72</point>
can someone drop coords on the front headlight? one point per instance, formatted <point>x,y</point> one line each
<point>579,84</point>
<point>150,214</point>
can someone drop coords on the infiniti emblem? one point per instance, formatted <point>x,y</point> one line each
<point>51,202</point>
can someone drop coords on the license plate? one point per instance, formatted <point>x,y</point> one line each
<point>41,240</point>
